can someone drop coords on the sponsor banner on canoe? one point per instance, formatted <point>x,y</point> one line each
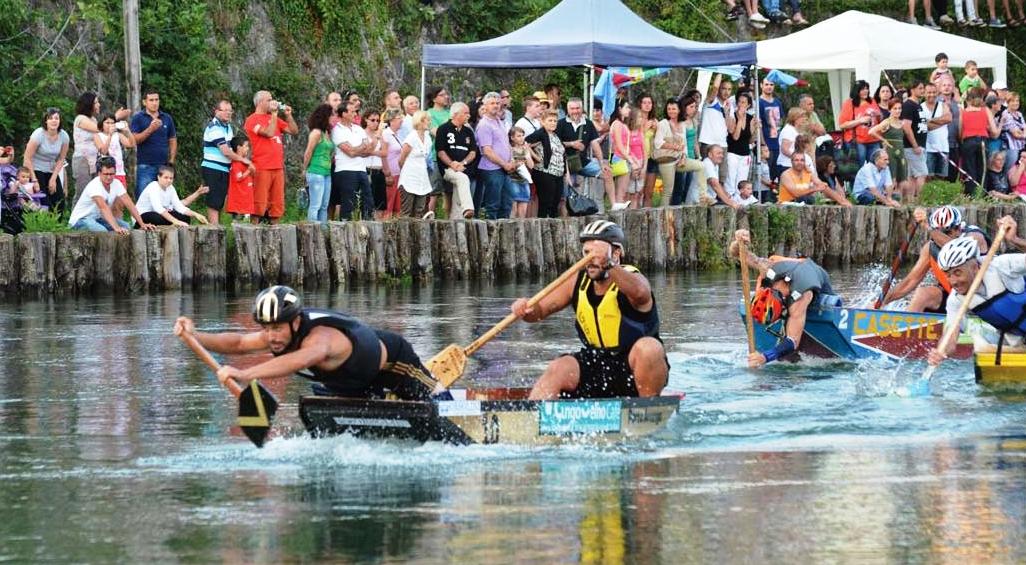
<point>459,408</point>
<point>371,422</point>
<point>579,417</point>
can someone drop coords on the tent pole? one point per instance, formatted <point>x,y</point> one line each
<point>756,91</point>
<point>423,103</point>
<point>590,92</point>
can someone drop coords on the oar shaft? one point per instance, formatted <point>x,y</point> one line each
<point>953,329</point>
<point>746,288</point>
<point>508,320</point>
<point>895,266</point>
<point>205,356</point>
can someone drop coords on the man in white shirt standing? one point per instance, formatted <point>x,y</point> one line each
<point>352,144</point>
<point>529,121</point>
<point>92,212</point>
<point>718,118</point>
<point>938,117</point>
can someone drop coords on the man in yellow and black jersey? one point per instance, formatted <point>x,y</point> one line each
<point>616,319</point>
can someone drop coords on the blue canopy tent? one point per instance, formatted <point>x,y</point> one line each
<point>588,33</point>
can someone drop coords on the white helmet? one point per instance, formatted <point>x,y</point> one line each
<point>958,251</point>
<point>945,218</point>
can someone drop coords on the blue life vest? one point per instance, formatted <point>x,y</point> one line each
<point>1006,311</point>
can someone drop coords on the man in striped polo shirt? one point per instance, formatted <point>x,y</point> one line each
<point>218,157</point>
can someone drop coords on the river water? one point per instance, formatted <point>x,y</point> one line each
<point>115,446</point>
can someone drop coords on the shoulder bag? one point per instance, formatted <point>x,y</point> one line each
<point>579,205</point>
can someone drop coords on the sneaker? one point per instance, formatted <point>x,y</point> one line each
<point>978,23</point>
<point>929,23</point>
<point>756,25</point>
<point>945,20</point>
<point>758,18</point>
<point>912,20</point>
<point>617,206</point>
<point>996,23</point>
<point>962,23</point>
<point>777,16</point>
<point>430,215</point>
<point>734,13</point>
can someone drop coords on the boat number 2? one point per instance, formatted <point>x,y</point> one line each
<point>490,422</point>
<point>844,320</point>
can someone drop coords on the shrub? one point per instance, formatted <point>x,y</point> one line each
<point>45,221</point>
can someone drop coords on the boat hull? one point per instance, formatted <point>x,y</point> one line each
<point>856,333</point>
<point>484,419</point>
<point>1010,369</point>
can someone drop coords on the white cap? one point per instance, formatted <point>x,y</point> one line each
<point>999,85</point>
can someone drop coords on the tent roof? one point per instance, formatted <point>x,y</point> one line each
<point>588,32</point>
<point>870,43</point>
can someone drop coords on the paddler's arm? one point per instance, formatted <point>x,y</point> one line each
<point>754,260</point>
<point>793,330</point>
<point>634,286</point>
<point>1012,235</point>
<point>319,345</point>
<point>914,277</point>
<point>554,302</point>
<point>227,342</point>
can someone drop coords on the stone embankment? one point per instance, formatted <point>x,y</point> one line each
<point>341,253</point>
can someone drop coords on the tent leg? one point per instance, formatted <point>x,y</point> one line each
<point>756,89</point>
<point>423,103</point>
<point>590,91</point>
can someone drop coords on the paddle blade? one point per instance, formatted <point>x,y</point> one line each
<point>256,409</point>
<point>448,365</point>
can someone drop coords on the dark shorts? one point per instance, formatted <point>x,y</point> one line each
<point>217,181</point>
<point>603,375</point>
<point>404,375</point>
<point>652,167</point>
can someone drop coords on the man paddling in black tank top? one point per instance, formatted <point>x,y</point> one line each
<point>344,356</point>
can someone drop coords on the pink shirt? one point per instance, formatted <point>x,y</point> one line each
<point>395,147</point>
<point>637,145</point>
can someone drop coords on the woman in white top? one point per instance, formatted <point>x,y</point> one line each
<point>111,141</point>
<point>83,160</point>
<point>414,183</point>
<point>796,120</point>
<point>45,156</point>
<point>159,204</point>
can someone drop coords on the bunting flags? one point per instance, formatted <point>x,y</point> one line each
<point>614,78</point>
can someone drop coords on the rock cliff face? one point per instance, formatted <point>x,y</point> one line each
<point>198,51</point>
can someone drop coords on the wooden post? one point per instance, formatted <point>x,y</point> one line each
<point>133,59</point>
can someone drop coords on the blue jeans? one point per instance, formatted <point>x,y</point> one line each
<point>144,175</point>
<point>497,191</point>
<point>97,224</point>
<point>353,183</point>
<point>865,151</point>
<point>320,193</point>
<point>774,6</point>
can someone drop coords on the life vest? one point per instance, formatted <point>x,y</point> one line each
<point>938,273</point>
<point>1006,311</point>
<point>609,322</point>
<point>363,362</point>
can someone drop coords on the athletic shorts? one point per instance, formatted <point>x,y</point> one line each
<point>603,375</point>
<point>217,182</point>
<point>943,302</point>
<point>269,193</point>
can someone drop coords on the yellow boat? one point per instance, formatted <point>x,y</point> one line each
<point>1009,367</point>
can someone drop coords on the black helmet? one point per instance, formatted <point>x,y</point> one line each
<point>603,230</point>
<point>276,304</point>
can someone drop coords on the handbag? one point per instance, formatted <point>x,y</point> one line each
<point>303,198</point>
<point>578,204</point>
<point>573,161</point>
<point>663,156</point>
<point>619,166</point>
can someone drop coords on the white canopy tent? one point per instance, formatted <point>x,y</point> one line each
<point>868,44</point>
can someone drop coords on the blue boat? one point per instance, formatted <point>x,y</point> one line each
<point>834,332</point>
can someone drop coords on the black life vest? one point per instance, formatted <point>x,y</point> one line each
<point>364,361</point>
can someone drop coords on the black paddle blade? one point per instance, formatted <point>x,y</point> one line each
<point>256,409</point>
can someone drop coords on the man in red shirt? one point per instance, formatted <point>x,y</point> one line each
<point>265,130</point>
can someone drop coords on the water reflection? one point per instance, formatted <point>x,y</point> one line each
<point>115,447</point>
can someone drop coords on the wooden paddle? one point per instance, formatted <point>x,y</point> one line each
<point>895,266</point>
<point>955,327</point>
<point>450,363</point>
<point>256,404</point>
<point>746,288</point>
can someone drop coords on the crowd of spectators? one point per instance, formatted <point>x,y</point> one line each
<point>477,159</point>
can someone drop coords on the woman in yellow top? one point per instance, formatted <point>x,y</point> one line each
<point>649,124</point>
